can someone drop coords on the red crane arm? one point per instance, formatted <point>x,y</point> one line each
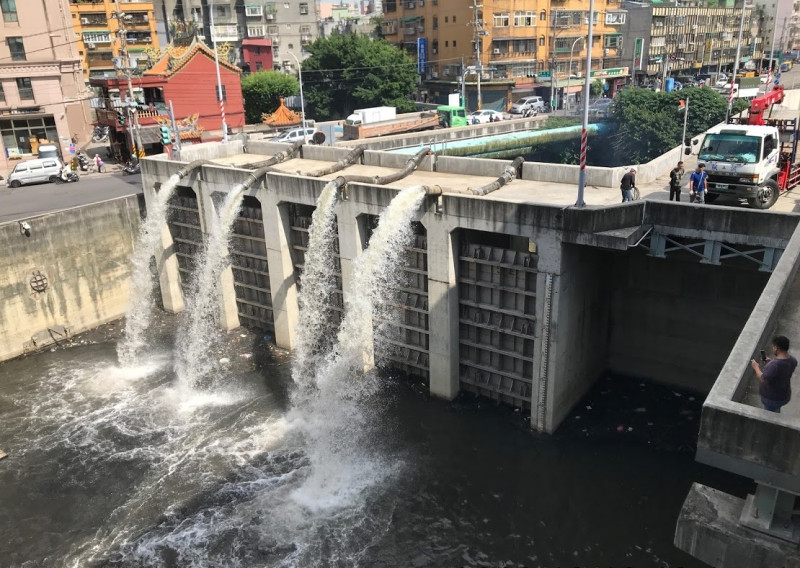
<point>762,103</point>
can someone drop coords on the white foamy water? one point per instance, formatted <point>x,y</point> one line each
<point>194,358</point>
<point>318,288</point>
<point>138,314</point>
<point>335,417</point>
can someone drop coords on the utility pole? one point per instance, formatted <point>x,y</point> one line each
<point>736,62</point>
<point>771,57</point>
<point>685,122</point>
<point>219,81</point>
<point>477,23</point>
<point>553,64</point>
<point>125,68</point>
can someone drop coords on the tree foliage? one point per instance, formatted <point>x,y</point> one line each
<point>263,90</point>
<point>349,71</point>
<point>650,123</point>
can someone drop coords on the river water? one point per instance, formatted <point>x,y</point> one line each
<point>112,467</point>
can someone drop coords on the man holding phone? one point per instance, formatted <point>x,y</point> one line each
<point>775,378</point>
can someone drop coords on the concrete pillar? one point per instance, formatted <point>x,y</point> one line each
<point>282,284</point>
<point>169,278</point>
<point>228,312</point>
<point>351,245</point>
<point>443,312</point>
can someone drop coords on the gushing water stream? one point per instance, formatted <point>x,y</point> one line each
<point>318,288</point>
<point>194,361</point>
<point>138,314</point>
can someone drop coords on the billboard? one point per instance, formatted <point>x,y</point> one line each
<point>638,53</point>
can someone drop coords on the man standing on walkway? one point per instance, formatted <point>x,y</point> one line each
<point>698,184</point>
<point>775,379</point>
<point>627,184</point>
<point>675,180</point>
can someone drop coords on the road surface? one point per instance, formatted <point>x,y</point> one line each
<point>32,200</point>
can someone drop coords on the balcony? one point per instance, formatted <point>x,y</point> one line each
<point>253,10</point>
<point>136,20</point>
<point>94,20</point>
<point>305,39</point>
<point>225,32</point>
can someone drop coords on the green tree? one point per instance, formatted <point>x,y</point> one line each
<point>349,71</point>
<point>262,92</point>
<point>650,123</point>
<point>596,88</point>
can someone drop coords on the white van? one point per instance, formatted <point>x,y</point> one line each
<point>34,171</point>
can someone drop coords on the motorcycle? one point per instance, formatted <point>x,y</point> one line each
<point>132,168</point>
<point>83,162</point>
<point>70,177</point>
<point>100,133</point>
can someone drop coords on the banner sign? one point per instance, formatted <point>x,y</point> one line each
<point>422,55</point>
<point>638,53</point>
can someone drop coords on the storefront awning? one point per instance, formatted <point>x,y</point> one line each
<point>150,134</point>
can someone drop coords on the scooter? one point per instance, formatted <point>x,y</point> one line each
<point>83,162</point>
<point>132,168</point>
<point>70,177</point>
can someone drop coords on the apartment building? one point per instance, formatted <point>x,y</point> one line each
<point>42,94</point>
<point>290,25</point>
<point>97,30</point>
<point>774,18</point>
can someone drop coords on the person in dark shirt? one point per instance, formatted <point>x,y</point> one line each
<point>775,379</point>
<point>675,178</point>
<point>627,184</point>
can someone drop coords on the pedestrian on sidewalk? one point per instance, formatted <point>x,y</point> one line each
<point>98,163</point>
<point>675,181</point>
<point>774,380</point>
<point>698,184</point>
<point>627,184</point>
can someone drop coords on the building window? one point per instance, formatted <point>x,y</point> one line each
<point>524,46</point>
<point>2,94</point>
<point>303,8</point>
<point>224,93</point>
<point>9,8</point>
<point>543,16</point>
<point>614,41</point>
<point>541,40</point>
<point>18,133</point>
<point>454,43</point>
<point>445,19</point>
<point>435,46</point>
<point>259,66</point>
<point>615,18</point>
<point>17,48</point>
<point>96,37</point>
<point>25,88</point>
<point>454,19</point>
<point>501,20</point>
<point>220,11</point>
<point>436,22</point>
<point>447,43</point>
<point>525,18</point>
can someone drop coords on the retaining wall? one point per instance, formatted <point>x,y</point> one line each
<point>84,254</point>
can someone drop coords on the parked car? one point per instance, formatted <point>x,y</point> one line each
<point>526,104</point>
<point>295,135</point>
<point>600,108</point>
<point>35,171</point>
<point>677,86</point>
<point>484,116</point>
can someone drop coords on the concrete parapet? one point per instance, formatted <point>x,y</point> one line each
<point>471,166</point>
<point>708,529</point>
<point>69,275</point>
<point>567,173</point>
<point>324,153</point>
<point>211,150</point>
<point>397,161</point>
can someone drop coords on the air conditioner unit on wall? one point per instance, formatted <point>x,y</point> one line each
<point>496,51</point>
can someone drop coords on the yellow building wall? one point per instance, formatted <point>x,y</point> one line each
<point>99,18</point>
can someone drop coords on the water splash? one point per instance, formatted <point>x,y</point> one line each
<point>318,289</point>
<point>138,314</point>
<point>194,360</point>
<point>333,417</point>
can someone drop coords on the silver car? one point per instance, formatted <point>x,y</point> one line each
<point>527,105</point>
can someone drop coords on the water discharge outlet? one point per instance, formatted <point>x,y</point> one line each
<point>138,314</point>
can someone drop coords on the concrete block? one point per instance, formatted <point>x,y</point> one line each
<point>708,528</point>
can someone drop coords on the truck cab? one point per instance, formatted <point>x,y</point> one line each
<point>743,161</point>
<point>450,116</point>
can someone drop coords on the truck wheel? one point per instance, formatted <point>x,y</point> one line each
<point>711,197</point>
<point>767,196</point>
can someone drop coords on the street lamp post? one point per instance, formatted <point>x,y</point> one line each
<point>219,80</point>
<point>585,124</point>
<point>302,100</point>
<point>569,69</point>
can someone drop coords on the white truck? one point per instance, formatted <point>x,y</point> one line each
<point>755,159</point>
<point>370,115</point>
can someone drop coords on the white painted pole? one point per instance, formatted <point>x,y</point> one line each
<point>736,62</point>
<point>302,100</point>
<point>219,80</point>
<point>586,90</point>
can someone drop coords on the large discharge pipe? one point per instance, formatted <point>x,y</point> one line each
<point>348,160</point>
<point>411,165</point>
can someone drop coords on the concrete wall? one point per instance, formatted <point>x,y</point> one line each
<point>581,326</point>
<point>675,320</point>
<point>566,173</point>
<point>85,255</point>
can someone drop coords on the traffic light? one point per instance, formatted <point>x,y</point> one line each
<point>166,136</point>
<point>120,118</point>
